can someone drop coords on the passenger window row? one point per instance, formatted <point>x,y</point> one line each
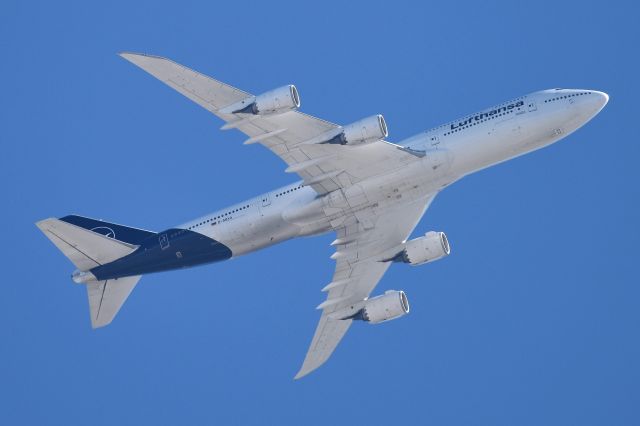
<point>479,122</point>
<point>280,194</point>
<point>223,215</point>
<point>567,96</point>
<point>448,125</point>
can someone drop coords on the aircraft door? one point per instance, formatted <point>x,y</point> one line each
<point>264,203</point>
<point>163,239</point>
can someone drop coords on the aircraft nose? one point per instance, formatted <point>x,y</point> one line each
<point>601,99</point>
<point>594,102</point>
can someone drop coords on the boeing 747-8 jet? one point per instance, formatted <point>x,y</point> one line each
<point>369,191</point>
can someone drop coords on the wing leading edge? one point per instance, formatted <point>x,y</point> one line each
<point>293,136</point>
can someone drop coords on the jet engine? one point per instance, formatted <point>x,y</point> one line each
<point>433,246</point>
<point>391,305</point>
<point>368,129</point>
<point>276,101</point>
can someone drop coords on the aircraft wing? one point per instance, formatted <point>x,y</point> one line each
<point>365,246</point>
<point>292,135</point>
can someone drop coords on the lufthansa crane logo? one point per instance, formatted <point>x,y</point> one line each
<point>104,230</point>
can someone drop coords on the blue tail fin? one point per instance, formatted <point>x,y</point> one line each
<point>112,230</point>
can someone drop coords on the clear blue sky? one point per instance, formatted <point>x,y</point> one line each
<point>532,320</point>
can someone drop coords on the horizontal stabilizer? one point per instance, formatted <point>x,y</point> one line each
<point>106,298</point>
<point>86,249</point>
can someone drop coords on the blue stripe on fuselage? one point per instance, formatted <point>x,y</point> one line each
<point>171,249</point>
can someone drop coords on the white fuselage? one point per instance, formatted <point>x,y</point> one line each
<point>446,154</point>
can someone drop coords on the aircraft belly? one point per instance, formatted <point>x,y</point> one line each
<point>257,231</point>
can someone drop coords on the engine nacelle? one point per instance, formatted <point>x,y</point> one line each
<point>276,101</point>
<point>370,129</point>
<point>433,246</point>
<point>391,305</point>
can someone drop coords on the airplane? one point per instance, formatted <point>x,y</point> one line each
<point>371,192</point>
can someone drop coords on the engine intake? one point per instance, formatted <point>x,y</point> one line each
<point>391,305</point>
<point>370,129</point>
<point>433,246</point>
<point>276,101</point>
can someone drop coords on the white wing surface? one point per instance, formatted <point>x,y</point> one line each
<point>364,250</point>
<point>292,135</point>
